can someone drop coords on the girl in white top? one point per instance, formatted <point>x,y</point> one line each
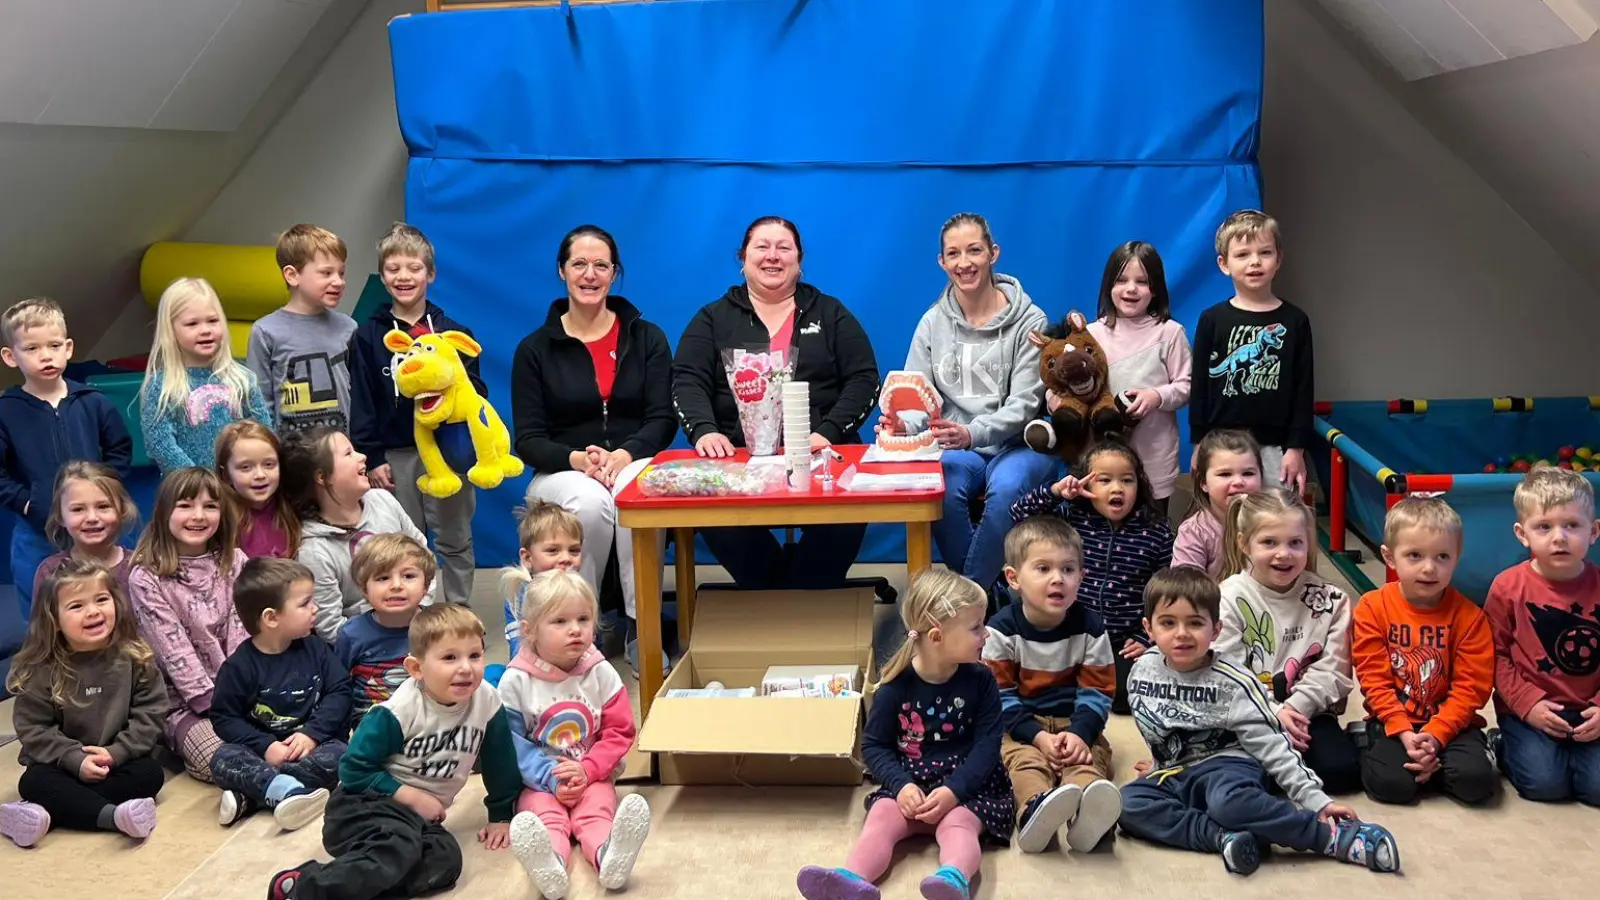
<point>1227,464</point>
<point>1149,357</point>
<point>1290,628</point>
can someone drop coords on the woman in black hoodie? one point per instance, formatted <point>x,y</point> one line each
<point>591,400</point>
<point>773,308</point>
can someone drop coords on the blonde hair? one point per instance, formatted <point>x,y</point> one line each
<point>158,547</point>
<point>1546,486</point>
<point>45,650</point>
<point>536,522</point>
<point>166,357</point>
<point>438,622</point>
<point>284,514</point>
<point>935,597</point>
<point>405,240</point>
<point>383,552</point>
<point>102,477</point>
<point>1430,513</point>
<point>31,313</point>
<point>548,590</point>
<point>1245,225</point>
<point>1052,531</point>
<point>301,243</point>
<point>1249,513</point>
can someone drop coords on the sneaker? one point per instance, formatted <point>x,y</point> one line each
<point>629,827</point>
<point>946,884</point>
<point>1097,815</point>
<point>296,811</point>
<point>282,885</point>
<point>817,883</point>
<point>1046,814</point>
<point>232,807</point>
<point>530,843</point>
<point>1364,843</point>
<point>136,818</point>
<point>24,823</point>
<point>1240,853</point>
<point>1496,741</point>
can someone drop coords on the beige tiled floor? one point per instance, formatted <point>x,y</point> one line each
<point>747,844</point>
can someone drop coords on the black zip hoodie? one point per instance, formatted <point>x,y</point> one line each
<point>832,354</point>
<point>381,419</point>
<point>37,439</point>
<point>555,398</point>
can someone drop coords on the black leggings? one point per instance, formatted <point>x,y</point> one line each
<point>77,804</point>
<point>1333,756</point>
<point>380,848</point>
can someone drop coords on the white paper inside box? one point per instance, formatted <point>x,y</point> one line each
<point>737,636</point>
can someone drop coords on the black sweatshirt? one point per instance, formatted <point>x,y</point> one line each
<point>1253,370</point>
<point>555,398</point>
<point>380,419</point>
<point>832,354</point>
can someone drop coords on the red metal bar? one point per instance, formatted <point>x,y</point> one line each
<point>1340,477</point>
<point>1426,483</point>
<point>1322,407</point>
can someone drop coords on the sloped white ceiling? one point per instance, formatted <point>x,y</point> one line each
<point>1422,38</point>
<point>196,65</point>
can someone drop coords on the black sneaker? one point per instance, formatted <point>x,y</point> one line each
<point>232,807</point>
<point>1496,740</point>
<point>283,884</point>
<point>1241,855</point>
<point>1044,815</point>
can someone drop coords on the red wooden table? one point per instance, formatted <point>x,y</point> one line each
<point>648,515</point>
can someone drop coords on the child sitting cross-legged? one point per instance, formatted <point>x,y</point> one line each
<point>394,572</point>
<point>1053,661</point>
<point>559,678</point>
<point>1211,729</point>
<point>282,701</point>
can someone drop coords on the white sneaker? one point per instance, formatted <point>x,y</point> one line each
<point>1097,814</point>
<point>231,808</point>
<point>296,812</point>
<point>1049,815</point>
<point>530,842</point>
<point>628,830</point>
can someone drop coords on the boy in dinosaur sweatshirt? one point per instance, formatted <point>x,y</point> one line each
<point>406,763</point>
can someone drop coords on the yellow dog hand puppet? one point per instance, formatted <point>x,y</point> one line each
<point>456,429</point>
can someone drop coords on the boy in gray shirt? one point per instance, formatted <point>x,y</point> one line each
<point>298,352</point>
<point>1211,730</point>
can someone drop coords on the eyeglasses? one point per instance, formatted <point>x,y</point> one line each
<point>599,267</point>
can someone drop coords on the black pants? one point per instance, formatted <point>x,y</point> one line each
<point>236,767</point>
<point>1333,756</point>
<point>1119,703</point>
<point>819,560</point>
<point>1465,771</point>
<point>380,848</point>
<point>77,804</point>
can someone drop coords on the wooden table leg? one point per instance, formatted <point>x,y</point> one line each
<point>919,547</point>
<point>686,586</point>
<point>647,604</point>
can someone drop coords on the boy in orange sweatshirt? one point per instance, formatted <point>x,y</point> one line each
<point>1545,617</point>
<point>1425,660</point>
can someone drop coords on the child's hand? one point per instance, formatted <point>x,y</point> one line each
<point>1145,402</point>
<point>1052,400</point>
<point>1293,475</point>
<point>1296,725</point>
<point>421,802</point>
<point>570,771</point>
<point>1046,743</point>
<point>102,754</point>
<point>299,745</point>
<point>382,477</point>
<point>1335,811</point>
<point>1074,752</point>
<point>1546,716</point>
<point>1143,767</point>
<point>277,754</point>
<point>1132,649</point>
<point>1590,729</point>
<point>1068,488</point>
<point>93,769</point>
<point>937,805</point>
<point>910,800</point>
<point>495,835</point>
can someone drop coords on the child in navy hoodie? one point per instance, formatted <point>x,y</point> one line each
<point>45,423</point>
<point>381,420</point>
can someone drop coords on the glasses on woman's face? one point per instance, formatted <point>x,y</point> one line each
<point>599,267</point>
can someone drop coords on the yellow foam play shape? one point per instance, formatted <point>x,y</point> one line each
<point>246,278</point>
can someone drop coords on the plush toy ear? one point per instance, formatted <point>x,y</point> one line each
<point>1076,320</point>
<point>462,342</point>
<point>1037,338</point>
<point>397,340</point>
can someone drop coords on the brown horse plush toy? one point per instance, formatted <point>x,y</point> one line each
<point>1073,366</point>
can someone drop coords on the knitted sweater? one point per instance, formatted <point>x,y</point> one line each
<point>117,705</point>
<point>1296,642</point>
<point>187,435</point>
<point>1063,672</point>
<point>189,620</point>
<point>583,715</point>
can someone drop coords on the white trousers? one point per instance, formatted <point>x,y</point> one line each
<point>596,508</point>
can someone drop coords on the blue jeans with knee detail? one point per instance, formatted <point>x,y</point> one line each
<point>1193,807</point>
<point>1544,769</point>
<point>978,551</point>
<point>238,768</point>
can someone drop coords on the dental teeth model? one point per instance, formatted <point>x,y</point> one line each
<point>911,402</point>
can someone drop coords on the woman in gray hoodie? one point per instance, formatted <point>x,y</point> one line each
<point>973,344</point>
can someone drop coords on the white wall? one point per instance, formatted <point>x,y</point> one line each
<point>335,158</point>
<point>1419,279</point>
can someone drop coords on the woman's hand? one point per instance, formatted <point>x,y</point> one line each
<point>951,435</point>
<point>382,477</point>
<point>1145,402</point>
<point>606,464</point>
<point>578,461</point>
<point>714,446</point>
<point>818,442</point>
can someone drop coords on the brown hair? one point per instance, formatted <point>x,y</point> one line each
<point>1430,513</point>
<point>158,547</point>
<point>306,459</point>
<point>1249,512</point>
<point>440,621</point>
<point>301,243</point>
<point>263,584</point>
<point>1160,307</point>
<point>405,240</point>
<point>45,648</point>
<point>1049,530</point>
<point>1217,440</point>
<point>1244,225</point>
<point>283,514</point>
<point>383,552</point>
<point>101,476</point>
<point>1189,583</point>
<point>799,249</point>
<point>30,313</point>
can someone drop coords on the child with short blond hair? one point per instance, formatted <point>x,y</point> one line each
<point>550,537</point>
<point>1425,659</point>
<point>1547,683</point>
<point>299,353</point>
<point>394,572</point>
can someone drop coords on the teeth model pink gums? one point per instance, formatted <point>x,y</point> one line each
<point>911,402</point>
<point>756,379</point>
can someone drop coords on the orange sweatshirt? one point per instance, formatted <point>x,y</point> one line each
<point>1431,669</point>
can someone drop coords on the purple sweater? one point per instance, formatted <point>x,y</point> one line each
<point>189,620</point>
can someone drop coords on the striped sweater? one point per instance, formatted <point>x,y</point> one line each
<point>1062,672</point>
<point>1117,558</point>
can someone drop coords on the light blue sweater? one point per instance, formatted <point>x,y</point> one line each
<point>187,435</point>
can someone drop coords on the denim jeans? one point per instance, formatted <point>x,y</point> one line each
<point>1545,769</point>
<point>28,549</point>
<point>978,551</point>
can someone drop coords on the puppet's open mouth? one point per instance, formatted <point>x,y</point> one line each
<point>428,402</point>
<point>1082,386</point>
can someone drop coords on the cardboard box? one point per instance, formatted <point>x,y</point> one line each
<point>737,636</point>
<point>810,681</point>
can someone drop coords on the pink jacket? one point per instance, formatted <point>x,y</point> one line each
<point>1145,353</point>
<point>189,620</point>
<point>1199,543</point>
<point>582,715</point>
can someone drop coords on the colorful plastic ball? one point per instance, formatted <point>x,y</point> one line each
<point>1584,453</point>
<point>1502,462</point>
<point>1567,452</point>
<point>1520,465</point>
<point>1565,464</point>
<point>1578,466</point>
<point>1491,469</point>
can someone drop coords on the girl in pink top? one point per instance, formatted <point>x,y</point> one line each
<point>247,463</point>
<point>1149,357</point>
<point>1227,464</point>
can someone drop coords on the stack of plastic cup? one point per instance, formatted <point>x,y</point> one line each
<point>797,433</point>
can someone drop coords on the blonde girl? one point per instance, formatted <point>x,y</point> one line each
<point>1291,628</point>
<point>932,741</point>
<point>182,594</point>
<point>1227,464</point>
<point>192,384</point>
<point>550,537</point>
<point>569,779</point>
<point>88,712</point>
<point>91,513</point>
<point>248,455</point>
